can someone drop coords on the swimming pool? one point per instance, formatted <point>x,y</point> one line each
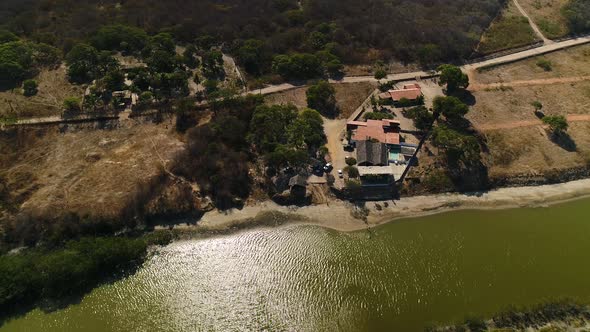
<point>394,153</point>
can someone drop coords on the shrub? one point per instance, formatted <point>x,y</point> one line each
<point>377,115</point>
<point>351,161</point>
<point>545,64</point>
<point>557,123</point>
<point>30,88</point>
<point>380,74</point>
<point>352,172</point>
<point>72,104</point>
<point>537,105</point>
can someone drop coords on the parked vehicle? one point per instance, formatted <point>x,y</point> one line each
<point>328,167</point>
<point>340,174</point>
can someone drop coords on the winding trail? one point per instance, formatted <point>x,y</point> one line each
<point>533,25</point>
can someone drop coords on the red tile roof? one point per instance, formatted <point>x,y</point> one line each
<point>409,91</point>
<point>385,131</point>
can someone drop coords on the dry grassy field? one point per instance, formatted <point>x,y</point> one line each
<point>547,16</point>
<point>527,148</point>
<point>53,89</point>
<point>509,30</point>
<point>89,171</point>
<point>567,63</point>
<point>349,96</point>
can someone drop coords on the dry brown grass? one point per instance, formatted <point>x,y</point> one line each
<point>547,15</point>
<point>529,150</point>
<point>349,96</point>
<point>493,107</point>
<point>570,62</point>
<point>53,89</point>
<point>93,172</point>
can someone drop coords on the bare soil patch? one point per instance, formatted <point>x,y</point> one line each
<point>53,89</point>
<point>349,96</point>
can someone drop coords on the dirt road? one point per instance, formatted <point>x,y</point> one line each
<point>529,123</point>
<point>334,130</point>
<point>545,81</point>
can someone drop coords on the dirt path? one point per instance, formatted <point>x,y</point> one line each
<point>334,130</point>
<point>544,81</point>
<point>529,123</point>
<point>533,24</point>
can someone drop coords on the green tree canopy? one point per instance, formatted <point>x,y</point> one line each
<point>268,127</point>
<point>7,36</point>
<point>298,66</point>
<point>453,77</point>
<point>557,123</point>
<point>421,116</point>
<point>457,146</point>
<point>322,97</point>
<point>120,38</point>
<point>30,88</point>
<point>254,56</point>
<point>82,61</point>
<point>307,130</point>
<point>450,107</point>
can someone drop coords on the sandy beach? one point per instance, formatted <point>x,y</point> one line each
<point>345,216</point>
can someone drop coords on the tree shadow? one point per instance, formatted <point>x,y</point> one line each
<point>565,141</point>
<point>465,96</point>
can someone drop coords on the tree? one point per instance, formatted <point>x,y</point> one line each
<point>453,77</point>
<point>72,104</point>
<point>380,74</point>
<point>114,80</point>
<point>121,38</point>
<point>450,107</point>
<point>322,97</point>
<point>298,66</point>
<point>7,36</point>
<point>458,146</point>
<point>30,88</point>
<point>421,116</point>
<point>307,130</point>
<point>253,56</point>
<point>188,57</point>
<point>557,123</point>
<point>82,61</point>
<point>378,115</point>
<point>352,171</point>
<point>268,127</point>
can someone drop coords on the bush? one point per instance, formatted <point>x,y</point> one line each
<point>545,64</point>
<point>377,115</point>
<point>557,123</point>
<point>380,74</point>
<point>352,172</point>
<point>351,161</point>
<point>322,97</point>
<point>30,88</point>
<point>72,104</point>
<point>537,105</point>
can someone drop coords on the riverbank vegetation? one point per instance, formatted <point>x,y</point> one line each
<point>58,271</point>
<point>550,316</point>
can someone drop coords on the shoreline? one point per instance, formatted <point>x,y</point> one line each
<point>344,216</point>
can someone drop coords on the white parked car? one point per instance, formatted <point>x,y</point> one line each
<point>340,174</point>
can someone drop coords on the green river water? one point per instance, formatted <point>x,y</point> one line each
<point>397,277</point>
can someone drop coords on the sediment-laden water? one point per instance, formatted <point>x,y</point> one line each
<point>397,277</point>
